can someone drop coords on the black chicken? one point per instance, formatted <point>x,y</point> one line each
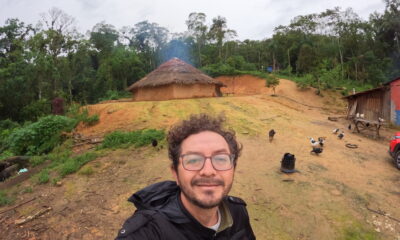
<point>271,135</point>
<point>317,150</point>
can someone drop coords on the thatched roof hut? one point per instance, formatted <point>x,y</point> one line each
<point>175,79</point>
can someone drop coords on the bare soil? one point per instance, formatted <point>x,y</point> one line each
<point>341,194</point>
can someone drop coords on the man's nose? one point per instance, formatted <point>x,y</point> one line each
<point>208,169</point>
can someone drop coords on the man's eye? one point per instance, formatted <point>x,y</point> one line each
<point>221,158</point>
<point>193,160</point>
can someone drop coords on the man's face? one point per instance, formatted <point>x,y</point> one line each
<point>204,188</point>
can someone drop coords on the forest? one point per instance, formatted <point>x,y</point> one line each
<point>50,59</point>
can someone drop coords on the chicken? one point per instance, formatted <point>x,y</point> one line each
<point>271,135</point>
<point>154,143</point>
<point>317,150</point>
<point>341,135</point>
<point>321,141</point>
<point>335,131</point>
<point>313,142</point>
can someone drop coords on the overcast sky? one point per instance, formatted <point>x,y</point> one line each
<point>252,19</point>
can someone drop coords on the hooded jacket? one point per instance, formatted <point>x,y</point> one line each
<point>160,215</point>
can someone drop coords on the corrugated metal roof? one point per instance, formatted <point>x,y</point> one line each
<point>366,91</point>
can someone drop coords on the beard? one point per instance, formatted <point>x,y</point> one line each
<point>208,198</point>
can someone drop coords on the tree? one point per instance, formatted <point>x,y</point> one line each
<point>272,81</point>
<point>15,83</point>
<point>220,32</point>
<point>104,37</point>
<point>198,29</point>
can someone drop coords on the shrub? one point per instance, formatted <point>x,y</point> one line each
<point>6,128</point>
<point>219,69</point>
<point>41,136</point>
<point>36,109</point>
<point>114,95</point>
<point>272,81</point>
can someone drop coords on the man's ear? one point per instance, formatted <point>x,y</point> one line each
<point>174,174</point>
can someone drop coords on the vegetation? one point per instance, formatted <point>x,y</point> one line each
<point>43,176</point>
<point>52,61</point>
<point>272,81</point>
<point>137,138</point>
<point>39,137</point>
<point>4,199</point>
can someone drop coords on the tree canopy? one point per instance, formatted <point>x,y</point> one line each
<point>49,59</point>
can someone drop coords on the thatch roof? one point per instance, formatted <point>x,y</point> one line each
<point>174,71</point>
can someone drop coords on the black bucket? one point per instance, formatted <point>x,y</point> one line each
<point>288,163</point>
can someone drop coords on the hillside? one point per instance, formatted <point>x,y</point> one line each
<point>333,195</point>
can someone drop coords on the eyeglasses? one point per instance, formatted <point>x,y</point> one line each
<point>195,162</point>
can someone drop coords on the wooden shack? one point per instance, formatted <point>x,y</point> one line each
<point>382,102</point>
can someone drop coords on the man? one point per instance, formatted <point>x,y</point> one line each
<point>196,206</point>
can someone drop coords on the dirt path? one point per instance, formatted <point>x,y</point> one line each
<point>327,199</point>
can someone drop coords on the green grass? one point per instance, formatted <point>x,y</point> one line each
<point>356,232</point>
<point>27,190</point>
<point>86,170</point>
<point>43,177</point>
<point>345,86</point>
<point>91,120</point>
<point>137,138</point>
<point>4,199</point>
<point>73,164</point>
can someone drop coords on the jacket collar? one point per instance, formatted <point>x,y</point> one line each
<point>164,197</point>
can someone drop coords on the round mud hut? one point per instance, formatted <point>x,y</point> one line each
<point>175,79</point>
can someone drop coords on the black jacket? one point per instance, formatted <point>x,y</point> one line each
<point>160,215</point>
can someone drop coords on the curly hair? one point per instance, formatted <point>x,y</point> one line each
<point>196,124</point>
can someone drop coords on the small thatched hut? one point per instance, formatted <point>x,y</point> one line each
<point>175,79</point>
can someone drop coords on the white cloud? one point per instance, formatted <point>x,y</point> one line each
<point>254,19</point>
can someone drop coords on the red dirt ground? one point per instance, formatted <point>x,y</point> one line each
<point>328,199</point>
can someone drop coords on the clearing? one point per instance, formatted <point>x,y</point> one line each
<point>342,194</point>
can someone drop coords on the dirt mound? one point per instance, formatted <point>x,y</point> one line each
<point>251,85</point>
<point>125,115</point>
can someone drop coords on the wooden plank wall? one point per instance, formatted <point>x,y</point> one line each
<point>373,104</point>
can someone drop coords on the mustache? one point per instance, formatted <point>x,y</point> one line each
<point>207,181</point>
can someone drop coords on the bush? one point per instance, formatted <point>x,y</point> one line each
<point>36,109</point>
<point>272,81</point>
<point>239,63</point>
<point>219,69</point>
<point>6,128</point>
<point>114,95</point>
<point>138,138</point>
<point>41,136</point>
